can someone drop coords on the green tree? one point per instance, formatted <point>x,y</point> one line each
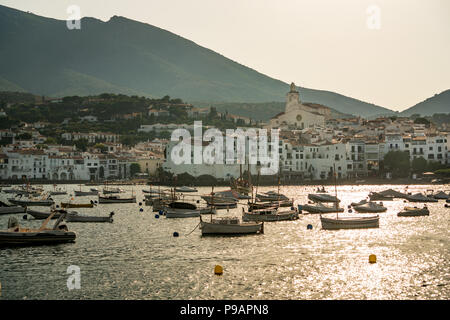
<point>419,165</point>
<point>134,168</point>
<point>50,140</point>
<point>81,144</point>
<point>424,121</point>
<point>398,163</point>
<point>101,146</point>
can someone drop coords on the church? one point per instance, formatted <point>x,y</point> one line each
<point>298,115</point>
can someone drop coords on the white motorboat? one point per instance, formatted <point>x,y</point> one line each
<point>349,222</point>
<point>441,195</point>
<point>319,207</point>
<point>418,197</point>
<point>230,226</point>
<point>15,235</point>
<point>186,210</point>
<point>116,199</point>
<point>185,189</point>
<point>370,207</point>
<point>414,212</point>
<point>322,197</point>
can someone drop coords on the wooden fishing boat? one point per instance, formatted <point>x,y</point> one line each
<point>15,235</point>
<point>77,205</point>
<point>39,215</point>
<point>83,218</point>
<point>269,215</point>
<point>349,222</point>
<point>319,207</point>
<point>116,199</point>
<point>414,212</point>
<point>370,207</point>
<point>32,202</point>
<point>8,209</point>
<point>85,193</point>
<point>441,195</point>
<point>112,190</point>
<point>230,226</point>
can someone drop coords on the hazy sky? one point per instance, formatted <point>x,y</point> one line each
<point>320,44</point>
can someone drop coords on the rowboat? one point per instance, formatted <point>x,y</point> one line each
<point>269,215</point>
<point>29,202</point>
<point>319,207</point>
<point>370,207</point>
<point>230,226</point>
<point>116,199</point>
<point>76,205</point>
<point>414,212</point>
<point>185,189</point>
<point>349,222</point>
<point>83,218</point>
<point>15,235</point>
<point>112,190</point>
<point>322,197</point>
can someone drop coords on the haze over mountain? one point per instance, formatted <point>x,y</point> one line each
<point>42,56</point>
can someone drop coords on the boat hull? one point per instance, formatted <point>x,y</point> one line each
<point>36,238</point>
<point>279,216</point>
<point>229,229</point>
<point>12,210</point>
<point>315,209</point>
<point>77,218</point>
<point>25,203</point>
<point>77,205</point>
<point>85,193</point>
<point>352,223</point>
<point>124,200</point>
<point>414,213</point>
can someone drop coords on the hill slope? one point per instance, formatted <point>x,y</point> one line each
<point>124,56</point>
<point>439,103</point>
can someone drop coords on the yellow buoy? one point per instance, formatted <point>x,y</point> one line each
<point>372,258</point>
<point>218,270</point>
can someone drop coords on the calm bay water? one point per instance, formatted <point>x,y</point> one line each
<point>137,257</point>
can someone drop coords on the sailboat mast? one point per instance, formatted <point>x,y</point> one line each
<point>335,188</point>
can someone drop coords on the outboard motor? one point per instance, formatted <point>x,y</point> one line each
<point>13,222</point>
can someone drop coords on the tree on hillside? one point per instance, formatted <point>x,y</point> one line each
<point>424,121</point>
<point>398,163</point>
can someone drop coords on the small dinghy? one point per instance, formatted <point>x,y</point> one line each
<point>269,215</point>
<point>230,226</point>
<point>85,193</point>
<point>83,218</point>
<point>414,212</point>
<point>319,207</point>
<point>15,235</point>
<point>349,222</point>
<point>112,190</point>
<point>322,197</point>
<point>370,207</point>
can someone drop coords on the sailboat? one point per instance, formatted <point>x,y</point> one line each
<point>241,185</point>
<point>348,222</point>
